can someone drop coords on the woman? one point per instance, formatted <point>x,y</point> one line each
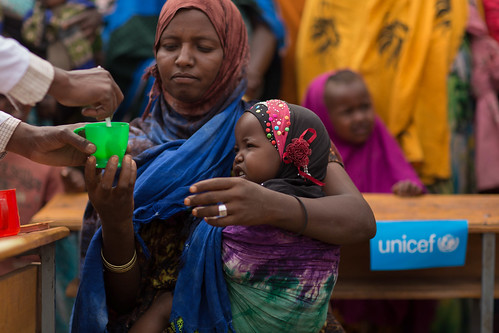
<point>129,32</point>
<point>187,139</point>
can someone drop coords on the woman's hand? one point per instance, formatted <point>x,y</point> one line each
<point>113,203</point>
<point>245,201</point>
<point>407,188</point>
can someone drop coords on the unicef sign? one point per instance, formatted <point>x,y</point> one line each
<point>418,244</point>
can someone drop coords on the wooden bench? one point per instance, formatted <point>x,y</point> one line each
<point>476,279</point>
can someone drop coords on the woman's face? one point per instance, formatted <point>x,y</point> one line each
<point>256,159</point>
<point>350,110</point>
<point>189,55</point>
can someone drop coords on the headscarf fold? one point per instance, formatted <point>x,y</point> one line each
<point>374,166</point>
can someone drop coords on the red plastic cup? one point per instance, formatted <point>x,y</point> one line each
<point>9,214</point>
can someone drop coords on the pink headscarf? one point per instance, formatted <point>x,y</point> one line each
<point>374,166</point>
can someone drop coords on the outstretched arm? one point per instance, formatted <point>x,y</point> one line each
<point>342,217</point>
<point>115,207</point>
<point>51,145</point>
<point>26,78</point>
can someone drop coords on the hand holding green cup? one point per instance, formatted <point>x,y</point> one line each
<point>109,140</point>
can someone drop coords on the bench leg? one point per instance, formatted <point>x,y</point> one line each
<point>47,255</point>
<point>487,298</point>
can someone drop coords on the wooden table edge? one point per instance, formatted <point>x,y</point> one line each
<point>23,242</point>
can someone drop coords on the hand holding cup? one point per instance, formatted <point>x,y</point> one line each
<point>109,140</point>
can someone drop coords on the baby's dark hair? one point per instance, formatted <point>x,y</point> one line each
<point>344,76</point>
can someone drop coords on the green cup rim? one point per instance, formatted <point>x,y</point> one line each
<point>99,124</point>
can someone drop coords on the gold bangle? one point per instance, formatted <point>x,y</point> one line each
<point>121,268</point>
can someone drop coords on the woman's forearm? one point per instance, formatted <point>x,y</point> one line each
<point>118,248</point>
<point>341,217</point>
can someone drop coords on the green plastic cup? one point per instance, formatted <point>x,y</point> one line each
<point>109,141</point>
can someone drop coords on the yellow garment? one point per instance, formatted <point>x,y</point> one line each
<point>404,49</point>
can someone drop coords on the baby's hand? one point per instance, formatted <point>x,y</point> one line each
<point>407,188</point>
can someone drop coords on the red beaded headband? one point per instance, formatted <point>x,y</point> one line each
<point>275,118</point>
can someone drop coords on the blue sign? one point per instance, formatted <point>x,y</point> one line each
<point>400,245</point>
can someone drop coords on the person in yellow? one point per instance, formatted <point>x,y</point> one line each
<point>404,49</point>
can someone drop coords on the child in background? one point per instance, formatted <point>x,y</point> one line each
<point>376,164</point>
<point>279,281</point>
<point>372,157</point>
<point>47,29</point>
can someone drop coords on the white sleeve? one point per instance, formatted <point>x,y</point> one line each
<point>7,126</point>
<point>23,75</point>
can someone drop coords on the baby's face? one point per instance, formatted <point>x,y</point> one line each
<point>256,160</point>
<point>350,110</point>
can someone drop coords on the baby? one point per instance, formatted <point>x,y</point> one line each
<point>278,280</point>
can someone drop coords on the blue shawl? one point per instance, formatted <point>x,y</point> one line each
<point>164,175</point>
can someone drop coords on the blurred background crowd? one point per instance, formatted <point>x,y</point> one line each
<point>429,69</point>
